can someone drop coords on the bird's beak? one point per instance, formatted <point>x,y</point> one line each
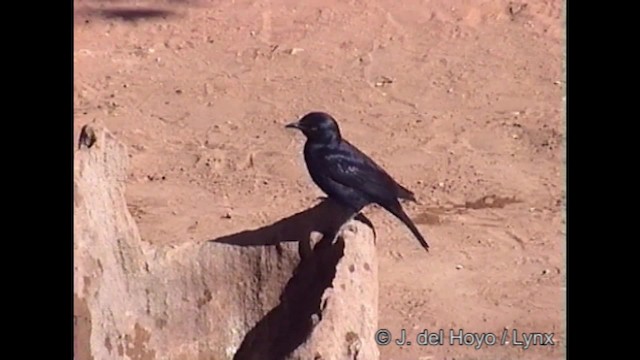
<point>293,125</point>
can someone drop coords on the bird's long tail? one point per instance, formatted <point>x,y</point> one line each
<point>398,212</point>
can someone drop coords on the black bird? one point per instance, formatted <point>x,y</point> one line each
<point>346,174</point>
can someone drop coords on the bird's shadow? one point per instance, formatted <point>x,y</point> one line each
<point>289,324</point>
<point>326,217</point>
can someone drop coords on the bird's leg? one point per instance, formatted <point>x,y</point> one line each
<point>346,213</point>
<point>353,213</point>
<point>363,219</point>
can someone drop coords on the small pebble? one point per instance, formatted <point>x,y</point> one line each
<point>459,267</point>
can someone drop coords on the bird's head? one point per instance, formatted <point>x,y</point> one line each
<point>318,127</point>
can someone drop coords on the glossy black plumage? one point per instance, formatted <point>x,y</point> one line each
<point>346,174</point>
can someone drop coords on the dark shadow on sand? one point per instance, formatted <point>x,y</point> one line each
<point>289,324</point>
<point>129,14</point>
<point>327,217</point>
<point>125,10</point>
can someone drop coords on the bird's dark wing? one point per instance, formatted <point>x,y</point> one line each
<point>350,167</point>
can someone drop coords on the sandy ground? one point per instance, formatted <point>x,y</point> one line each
<point>461,101</point>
